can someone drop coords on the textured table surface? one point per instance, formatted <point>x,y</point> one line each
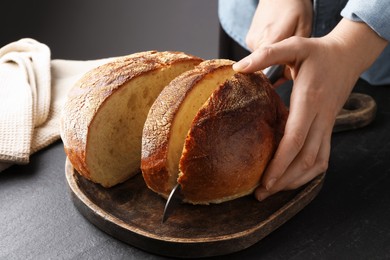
<point>349,217</point>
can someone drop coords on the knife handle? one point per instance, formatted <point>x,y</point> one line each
<point>274,72</point>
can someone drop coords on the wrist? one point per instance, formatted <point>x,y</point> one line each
<point>358,43</point>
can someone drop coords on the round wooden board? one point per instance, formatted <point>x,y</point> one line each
<point>132,213</point>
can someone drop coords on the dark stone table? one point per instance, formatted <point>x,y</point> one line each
<point>350,218</point>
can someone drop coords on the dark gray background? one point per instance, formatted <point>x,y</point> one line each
<point>88,29</point>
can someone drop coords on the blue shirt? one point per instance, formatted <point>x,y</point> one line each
<point>235,17</point>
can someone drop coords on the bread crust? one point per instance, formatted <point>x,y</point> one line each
<point>157,131</point>
<point>90,93</point>
<point>231,140</point>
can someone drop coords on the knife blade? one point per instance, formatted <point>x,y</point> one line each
<point>175,198</point>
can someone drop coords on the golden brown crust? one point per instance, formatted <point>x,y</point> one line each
<point>93,89</point>
<point>231,141</point>
<point>157,128</point>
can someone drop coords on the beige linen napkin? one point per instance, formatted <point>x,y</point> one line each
<point>32,91</point>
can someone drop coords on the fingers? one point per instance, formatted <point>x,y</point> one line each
<point>286,76</point>
<point>308,163</point>
<point>271,23</point>
<point>265,28</point>
<point>284,52</point>
<point>270,33</point>
<point>321,165</point>
<point>295,137</point>
<point>305,147</point>
<point>280,82</point>
<point>292,180</point>
<point>296,177</point>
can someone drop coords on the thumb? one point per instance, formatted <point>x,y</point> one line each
<point>284,52</point>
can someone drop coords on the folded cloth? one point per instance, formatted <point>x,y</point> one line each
<point>32,91</point>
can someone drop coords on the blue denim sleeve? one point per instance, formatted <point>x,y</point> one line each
<point>375,13</point>
<point>235,17</point>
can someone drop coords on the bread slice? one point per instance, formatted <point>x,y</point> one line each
<point>170,118</point>
<point>213,131</point>
<point>231,140</point>
<point>105,111</point>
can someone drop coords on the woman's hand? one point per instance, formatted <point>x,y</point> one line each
<point>324,71</point>
<point>276,20</point>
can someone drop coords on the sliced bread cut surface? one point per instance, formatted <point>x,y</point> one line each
<point>104,114</point>
<point>231,140</point>
<point>170,118</point>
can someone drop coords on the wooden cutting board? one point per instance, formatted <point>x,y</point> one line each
<point>132,213</point>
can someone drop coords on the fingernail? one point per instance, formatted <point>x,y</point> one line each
<point>262,195</point>
<point>270,183</point>
<point>242,64</point>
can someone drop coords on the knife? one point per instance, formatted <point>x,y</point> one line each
<point>173,201</point>
<point>274,72</point>
<point>175,198</point>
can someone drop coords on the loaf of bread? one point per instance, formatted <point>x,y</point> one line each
<point>105,111</point>
<point>213,131</point>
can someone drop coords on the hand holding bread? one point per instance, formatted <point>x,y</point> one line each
<point>322,83</point>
